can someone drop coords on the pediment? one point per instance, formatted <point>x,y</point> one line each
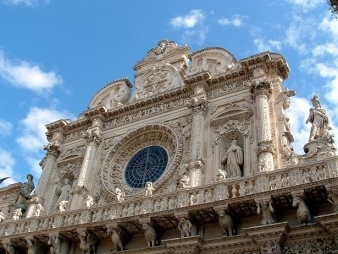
<point>225,112</point>
<point>214,60</point>
<point>114,94</point>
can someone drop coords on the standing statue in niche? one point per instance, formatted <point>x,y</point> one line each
<point>233,159</point>
<point>25,193</point>
<point>319,120</point>
<point>63,192</point>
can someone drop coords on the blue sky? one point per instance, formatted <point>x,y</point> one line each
<point>55,55</point>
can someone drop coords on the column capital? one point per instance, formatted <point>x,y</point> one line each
<point>262,87</point>
<point>53,148</point>
<point>92,136</point>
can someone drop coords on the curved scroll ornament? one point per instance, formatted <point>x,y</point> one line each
<point>116,160</point>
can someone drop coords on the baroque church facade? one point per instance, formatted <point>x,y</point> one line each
<point>194,157</point>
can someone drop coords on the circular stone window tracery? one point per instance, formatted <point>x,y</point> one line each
<point>147,165</point>
<point>127,166</point>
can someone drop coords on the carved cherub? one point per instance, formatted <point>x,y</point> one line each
<point>149,189</point>
<point>267,211</point>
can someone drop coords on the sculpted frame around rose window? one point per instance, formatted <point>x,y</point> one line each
<point>117,157</point>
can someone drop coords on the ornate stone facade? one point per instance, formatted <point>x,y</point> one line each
<point>194,157</point>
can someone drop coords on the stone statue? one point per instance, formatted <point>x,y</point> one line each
<point>318,119</point>
<point>25,193</point>
<point>333,199</point>
<point>63,205</point>
<point>184,181</point>
<point>233,159</point>
<point>184,226</point>
<point>150,234</point>
<point>17,214</point>
<point>89,201</point>
<point>221,175</point>
<point>119,194</point>
<point>267,211</point>
<point>226,223</point>
<point>2,216</point>
<point>64,191</point>
<point>149,189</point>
<point>88,241</point>
<point>115,237</point>
<point>303,213</point>
<point>54,244</point>
<point>37,209</point>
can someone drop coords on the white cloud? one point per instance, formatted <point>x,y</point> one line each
<point>298,113</point>
<point>7,163</point>
<point>188,21</point>
<point>269,45</point>
<point>30,3</point>
<point>33,136</point>
<point>5,128</point>
<point>27,75</point>
<point>306,5</point>
<point>236,21</point>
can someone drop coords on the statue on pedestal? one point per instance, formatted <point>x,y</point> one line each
<point>233,159</point>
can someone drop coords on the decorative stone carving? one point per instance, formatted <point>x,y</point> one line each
<point>303,213</point>
<point>62,206</point>
<point>119,194</point>
<point>118,237</point>
<point>37,207</point>
<point>184,226</point>
<point>320,122</point>
<point>267,211</point>
<point>88,241</point>
<point>92,136</point>
<point>89,201</point>
<point>25,193</point>
<point>149,189</point>
<point>63,193</point>
<point>17,214</point>
<point>233,159</point>
<point>333,199</point>
<point>54,243</point>
<point>226,223</point>
<point>2,216</point>
<point>221,175</point>
<point>150,234</point>
<point>184,181</point>
<point>271,247</point>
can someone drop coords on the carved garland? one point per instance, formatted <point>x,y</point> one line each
<point>114,164</point>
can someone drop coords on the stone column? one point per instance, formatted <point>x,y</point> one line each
<point>261,92</point>
<point>198,104</point>
<point>47,164</point>
<point>93,140</point>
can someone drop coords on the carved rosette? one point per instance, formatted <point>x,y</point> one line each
<point>113,166</point>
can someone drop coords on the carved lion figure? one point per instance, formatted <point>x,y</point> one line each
<point>226,223</point>
<point>149,234</point>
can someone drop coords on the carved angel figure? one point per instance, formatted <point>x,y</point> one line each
<point>149,189</point>
<point>17,214</point>
<point>333,199</point>
<point>89,201</point>
<point>62,206</point>
<point>119,194</point>
<point>184,181</point>
<point>233,159</point>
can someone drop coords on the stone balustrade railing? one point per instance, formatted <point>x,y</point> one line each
<point>227,190</point>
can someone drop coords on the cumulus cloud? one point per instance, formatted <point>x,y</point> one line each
<point>32,138</point>
<point>7,164</point>
<point>193,27</point>
<point>188,21</point>
<point>236,21</point>
<point>20,73</point>
<point>5,128</point>
<point>30,3</point>
<point>268,45</point>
